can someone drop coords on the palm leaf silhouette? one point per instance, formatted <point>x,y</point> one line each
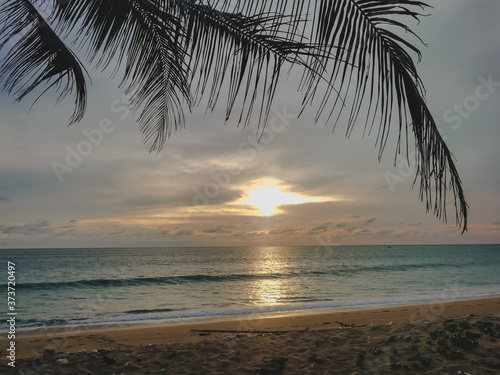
<point>38,56</point>
<point>373,59</point>
<point>173,54</point>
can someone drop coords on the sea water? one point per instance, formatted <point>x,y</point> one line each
<point>57,287</point>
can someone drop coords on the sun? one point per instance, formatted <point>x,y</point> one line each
<point>266,195</point>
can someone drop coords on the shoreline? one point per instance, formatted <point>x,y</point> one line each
<point>207,319</point>
<point>74,339</point>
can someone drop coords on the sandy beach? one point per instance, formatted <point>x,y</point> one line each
<point>436,338</point>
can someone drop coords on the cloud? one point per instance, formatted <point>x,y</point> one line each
<point>278,232</point>
<point>369,221</point>
<point>121,193</point>
<point>209,194</point>
<point>219,230</point>
<point>385,232</point>
<point>39,227</point>
<point>184,232</point>
<point>163,233</point>
<point>320,228</point>
<point>212,194</point>
<point>361,232</point>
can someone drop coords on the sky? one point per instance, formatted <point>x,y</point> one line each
<point>213,184</point>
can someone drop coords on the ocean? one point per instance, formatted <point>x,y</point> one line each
<point>73,287</point>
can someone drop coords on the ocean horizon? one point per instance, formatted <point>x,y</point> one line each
<point>92,286</point>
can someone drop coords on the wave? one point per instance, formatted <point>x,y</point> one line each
<point>133,312</point>
<point>184,279</point>
<point>395,267</point>
<point>143,281</point>
<point>136,316</point>
<point>284,305</point>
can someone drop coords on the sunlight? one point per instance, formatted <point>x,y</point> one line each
<point>269,291</point>
<point>267,195</point>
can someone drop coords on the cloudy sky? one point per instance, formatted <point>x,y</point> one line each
<point>213,184</point>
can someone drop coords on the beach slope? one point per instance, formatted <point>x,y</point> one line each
<point>436,338</point>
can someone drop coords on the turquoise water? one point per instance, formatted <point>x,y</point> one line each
<point>92,286</point>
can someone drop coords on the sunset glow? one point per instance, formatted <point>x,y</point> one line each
<point>291,171</point>
<point>267,195</point>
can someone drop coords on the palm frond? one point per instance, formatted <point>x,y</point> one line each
<point>249,53</point>
<point>145,35</point>
<point>171,46</point>
<point>372,63</point>
<point>172,53</point>
<point>37,56</point>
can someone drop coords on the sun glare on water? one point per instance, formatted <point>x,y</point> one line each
<point>267,195</point>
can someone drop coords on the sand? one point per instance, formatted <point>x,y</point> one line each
<point>458,337</point>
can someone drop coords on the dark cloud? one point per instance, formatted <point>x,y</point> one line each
<point>324,210</point>
<point>277,232</point>
<point>496,223</point>
<point>3,199</point>
<point>39,227</point>
<point>320,228</point>
<point>66,232</point>
<point>385,232</point>
<point>341,225</point>
<point>212,194</point>
<point>219,230</point>
<point>369,221</point>
<point>184,232</point>
<point>361,232</point>
<point>116,233</point>
<point>205,195</point>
